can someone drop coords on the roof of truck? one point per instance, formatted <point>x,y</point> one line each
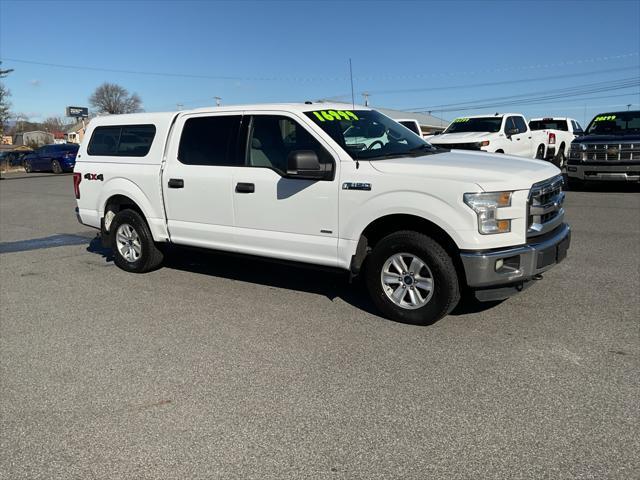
<point>156,117</point>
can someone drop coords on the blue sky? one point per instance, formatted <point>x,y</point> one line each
<point>409,55</point>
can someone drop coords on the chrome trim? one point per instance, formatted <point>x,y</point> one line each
<point>480,270</point>
<point>544,206</point>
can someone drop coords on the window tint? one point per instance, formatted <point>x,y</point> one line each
<point>520,124</point>
<point>411,126</point>
<point>122,141</point>
<point>508,124</point>
<point>272,138</point>
<point>210,141</point>
<point>549,124</point>
<point>576,127</point>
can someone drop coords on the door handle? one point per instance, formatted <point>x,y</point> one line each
<point>245,188</point>
<point>176,183</point>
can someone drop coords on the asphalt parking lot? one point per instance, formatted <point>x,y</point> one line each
<point>217,367</point>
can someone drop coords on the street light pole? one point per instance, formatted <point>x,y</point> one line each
<point>218,101</point>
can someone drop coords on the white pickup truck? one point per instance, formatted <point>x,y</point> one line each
<point>561,131</point>
<point>500,133</point>
<point>421,224</point>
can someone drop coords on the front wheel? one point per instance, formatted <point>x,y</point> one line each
<point>540,153</point>
<point>27,167</point>
<point>411,278</point>
<point>133,246</point>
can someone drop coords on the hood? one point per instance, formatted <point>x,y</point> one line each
<point>461,137</point>
<point>490,171</point>
<point>630,137</point>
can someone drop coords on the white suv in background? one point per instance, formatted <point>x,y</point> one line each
<point>561,131</point>
<point>500,133</point>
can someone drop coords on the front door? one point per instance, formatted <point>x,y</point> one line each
<point>280,216</point>
<point>197,179</point>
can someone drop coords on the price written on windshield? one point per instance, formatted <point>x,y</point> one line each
<point>332,115</point>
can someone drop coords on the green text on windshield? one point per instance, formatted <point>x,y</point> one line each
<point>369,135</point>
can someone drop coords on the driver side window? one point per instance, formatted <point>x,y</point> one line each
<point>272,138</point>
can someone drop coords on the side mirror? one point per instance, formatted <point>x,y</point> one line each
<point>512,131</point>
<point>304,164</point>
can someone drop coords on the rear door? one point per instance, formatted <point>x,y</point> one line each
<point>197,176</point>
<point>43,159</point>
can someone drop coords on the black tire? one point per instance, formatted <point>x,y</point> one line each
<point>499,151</point>
<point>27,167</point>
<point>55,166</point>
<point>560,160</point>
<point>574,183</point>
<point>540,153</point>
<point>446,291</point>
<point>150,256</point>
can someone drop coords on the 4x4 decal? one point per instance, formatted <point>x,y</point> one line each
<point>94,176</point>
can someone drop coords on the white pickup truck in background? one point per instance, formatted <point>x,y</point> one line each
<point>561,132</point>
<point>506,133</point>
<point>349,189</point>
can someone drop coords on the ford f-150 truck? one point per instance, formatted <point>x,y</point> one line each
<point>608,150</point>
<point>421,224</point>
<point>561,131</point>
<point>500,133</point>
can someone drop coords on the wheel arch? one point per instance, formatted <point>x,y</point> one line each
<point>387,224</point>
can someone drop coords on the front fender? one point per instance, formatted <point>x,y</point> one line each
<point>456,220</point>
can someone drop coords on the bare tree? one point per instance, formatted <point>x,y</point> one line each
<point>54,124</point>
<point>5,107</point>
<point>114,99</point>
<point>4,73</point>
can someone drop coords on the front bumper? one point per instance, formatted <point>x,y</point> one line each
<point>619,172</point>
<point>499,273</point>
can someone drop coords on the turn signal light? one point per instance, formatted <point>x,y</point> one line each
<point>77,178</point>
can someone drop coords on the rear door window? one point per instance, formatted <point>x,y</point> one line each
<point>210,141</point>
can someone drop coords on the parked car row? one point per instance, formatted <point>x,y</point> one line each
<point>510,133</point>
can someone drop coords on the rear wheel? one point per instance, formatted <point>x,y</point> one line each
<point>560,159</point>
<point>411,278</point>
<point>55,166</point>
<point>133,246</point>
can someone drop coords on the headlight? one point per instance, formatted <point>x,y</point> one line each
<point>483,143</point>
<point>486,206</point>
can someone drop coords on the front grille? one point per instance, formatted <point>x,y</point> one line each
<point>605,152</point>
<point>545,211</point>
<point>459,146</point>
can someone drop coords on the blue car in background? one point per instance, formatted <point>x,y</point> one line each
<point>52,158</point>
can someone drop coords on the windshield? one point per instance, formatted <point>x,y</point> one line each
<point>549,124</point>
<point>619,123</point>
<point>481,124</point>
<point>369,135</point>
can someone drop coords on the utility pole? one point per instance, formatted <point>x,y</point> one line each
<point>628,106</point>
<point>218,101</point>
<point>179,106</point>
<point>366,98</point>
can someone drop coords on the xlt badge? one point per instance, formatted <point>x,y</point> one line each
<point>356,186</point>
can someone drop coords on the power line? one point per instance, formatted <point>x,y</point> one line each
<point>327,78</point>
<point>537,96</point>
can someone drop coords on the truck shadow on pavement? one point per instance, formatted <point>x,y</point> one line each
<point>332,284</point>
